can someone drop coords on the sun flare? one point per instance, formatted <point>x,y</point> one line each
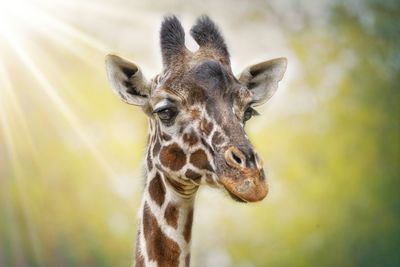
<point>13,12</point>
<point>27,27</point>
<point>21,17</point>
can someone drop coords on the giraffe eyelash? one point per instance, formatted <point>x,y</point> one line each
<point>255,112</point>
<point>159,109</point>
<point>162,105</point>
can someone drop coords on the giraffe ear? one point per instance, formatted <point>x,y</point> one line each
<point>262,78</point>
<point>127,80</point>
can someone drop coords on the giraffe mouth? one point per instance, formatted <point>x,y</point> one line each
<point>251,187</point>
<point>236,198</point>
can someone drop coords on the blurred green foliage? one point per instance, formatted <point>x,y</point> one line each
<point>335,166</point>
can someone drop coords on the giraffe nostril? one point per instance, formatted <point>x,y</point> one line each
<point>236,158</point>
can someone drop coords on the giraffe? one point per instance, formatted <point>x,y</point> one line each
<point>197,111</point>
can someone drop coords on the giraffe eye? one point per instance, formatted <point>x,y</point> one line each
<point>166,115</point>
<point>250,112</point>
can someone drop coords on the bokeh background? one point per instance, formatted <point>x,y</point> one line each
<point>71,153</point>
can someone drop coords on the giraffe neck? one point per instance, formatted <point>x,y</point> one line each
<point>165,221</point>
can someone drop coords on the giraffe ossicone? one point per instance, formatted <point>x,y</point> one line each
<point>197,110</point>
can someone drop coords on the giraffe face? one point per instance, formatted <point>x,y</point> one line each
<point>198,109</point>
<point>199,130</point>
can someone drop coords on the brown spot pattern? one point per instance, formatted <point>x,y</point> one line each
<point>171,215</point>
<point>157,189</point>
<point>173,157</point>
<point>200,160</point>
<point>165,137</point>
<point>217,138</point>
<point>187,232</point>
<point>190,138</point>
<point>160,248</point>
<point>206,126</point>
<point>192,175</point>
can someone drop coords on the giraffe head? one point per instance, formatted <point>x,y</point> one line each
<point>198,109</point>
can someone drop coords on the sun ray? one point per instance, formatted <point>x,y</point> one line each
<point>53,35</point>
<point>71,31</point>
<point>16,29</point>
<point>33,13</point>
<point>101,9</point>
<point>13,101</point>
<point>51,92</point>
<point>37,19</point>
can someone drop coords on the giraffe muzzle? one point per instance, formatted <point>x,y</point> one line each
<point>246,181</point>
